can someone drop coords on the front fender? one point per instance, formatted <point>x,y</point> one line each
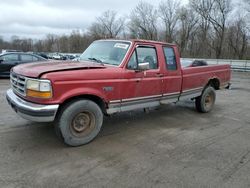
<point>80,92</point>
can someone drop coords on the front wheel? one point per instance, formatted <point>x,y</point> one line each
<point>79,122</point>
<point>205,102</point>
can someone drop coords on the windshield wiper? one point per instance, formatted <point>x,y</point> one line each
<point>96,60</point>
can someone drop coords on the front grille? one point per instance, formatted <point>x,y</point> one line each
<point>18,83</point>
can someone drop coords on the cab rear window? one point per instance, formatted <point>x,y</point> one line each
<point>170,58</point>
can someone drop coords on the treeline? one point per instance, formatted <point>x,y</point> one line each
<point>74,43</point>
<point>202,28</point>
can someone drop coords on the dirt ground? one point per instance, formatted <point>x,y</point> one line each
<point>173,146</point>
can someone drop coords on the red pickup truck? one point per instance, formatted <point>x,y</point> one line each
<point>111,76</point>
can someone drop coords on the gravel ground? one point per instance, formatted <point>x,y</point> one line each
<point>173,146</point>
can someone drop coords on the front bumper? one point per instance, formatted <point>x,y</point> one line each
<point>31,111</point>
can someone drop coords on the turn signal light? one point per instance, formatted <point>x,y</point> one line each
<point>39,94</point>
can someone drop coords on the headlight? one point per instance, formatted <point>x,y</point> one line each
<point>38,88</point>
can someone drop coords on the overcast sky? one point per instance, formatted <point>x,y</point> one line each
<point>36,18</point>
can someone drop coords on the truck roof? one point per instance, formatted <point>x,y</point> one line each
<point>151,41</point>
<point>140,40</point>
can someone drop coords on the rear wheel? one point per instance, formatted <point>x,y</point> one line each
<point>79,122</point>
<point>205,102</point>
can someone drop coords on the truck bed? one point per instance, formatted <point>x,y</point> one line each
<point>195,78</point>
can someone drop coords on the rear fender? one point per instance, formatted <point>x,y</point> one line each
<point>214,82</point>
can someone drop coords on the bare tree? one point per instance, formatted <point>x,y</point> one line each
<point>169,14</point>
<point>215,12</point>
<point>107,25</point>
<point>64,43</point>
<point>2,45</point>
<point>247,2</point>
<point>218,18</point>
<point>187,27</point>
<point>237,38</point>
<point>247,8</point>
<point>49,42</point>
<point>143,22</point>
<point>39,46</point>
<point>203,9</point>
<point>96,31</point>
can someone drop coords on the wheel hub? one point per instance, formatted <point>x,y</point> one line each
<point>81,122</point>
<point>209,100</point>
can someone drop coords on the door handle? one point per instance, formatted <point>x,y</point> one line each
<point>159,75</point>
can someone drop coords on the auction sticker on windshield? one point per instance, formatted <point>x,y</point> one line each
<point>121,45</point>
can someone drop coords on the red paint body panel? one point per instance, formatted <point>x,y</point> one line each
<point>34,70</point>
<point>111,83</point>
<point>194,77</point>
<point>172,80</point>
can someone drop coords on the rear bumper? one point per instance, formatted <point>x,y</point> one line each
<point>31,111</point>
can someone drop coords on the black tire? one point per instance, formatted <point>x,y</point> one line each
<point>205,102</point>
<point>79,122</point>
<point>58,131</point>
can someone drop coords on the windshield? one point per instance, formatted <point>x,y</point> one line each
<point>106,52</point>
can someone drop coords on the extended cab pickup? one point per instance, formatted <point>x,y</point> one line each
<point>111,76</point>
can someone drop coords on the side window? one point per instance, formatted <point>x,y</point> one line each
<point>147,55</point>
<point>34,58</point>
<point>10,57</point>
<point>26,57</point>
<point>170,58</point>
<point>143,55</point>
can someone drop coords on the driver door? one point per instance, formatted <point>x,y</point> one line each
<point>142,85</point>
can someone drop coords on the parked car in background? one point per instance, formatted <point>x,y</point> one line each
<point>69,57</point>
<point>76,59</point>
<point>11,59</point>
<point>195,63</point>
<point>58,56</point>
<point>44,55</point>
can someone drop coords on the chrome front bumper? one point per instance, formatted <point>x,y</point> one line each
<point>31,111</point>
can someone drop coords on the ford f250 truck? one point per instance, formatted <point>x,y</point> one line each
<point>111,76</point>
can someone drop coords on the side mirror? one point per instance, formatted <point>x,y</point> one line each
<point>143,66</point>
<point>1,60</point>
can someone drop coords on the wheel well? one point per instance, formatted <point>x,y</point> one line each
<point>215,83</point>
<point>93,98</point>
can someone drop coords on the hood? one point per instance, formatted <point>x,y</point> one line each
<point>35,70</point>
